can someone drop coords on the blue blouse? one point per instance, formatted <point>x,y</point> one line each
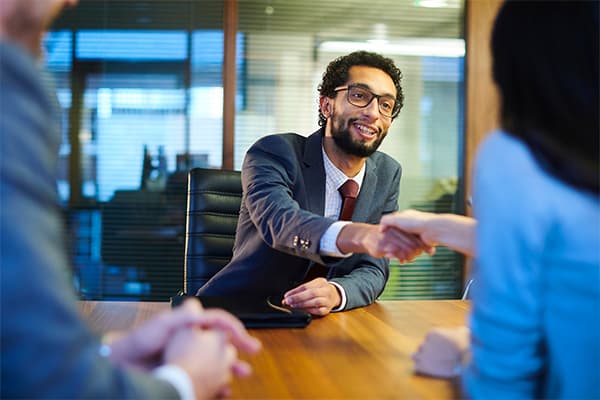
<point>535,322</point>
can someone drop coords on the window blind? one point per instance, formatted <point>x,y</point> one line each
<point>144,81</point>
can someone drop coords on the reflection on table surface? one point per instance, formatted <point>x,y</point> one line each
<point>359,354</point>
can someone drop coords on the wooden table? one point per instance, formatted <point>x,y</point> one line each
<point>359,354</point>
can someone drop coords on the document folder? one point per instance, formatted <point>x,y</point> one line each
<point>252,311</point>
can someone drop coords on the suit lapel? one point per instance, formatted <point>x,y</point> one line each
<point>367,192</point>
<point>314,172</point>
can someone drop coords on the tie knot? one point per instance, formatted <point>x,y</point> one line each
<point>349,189</point>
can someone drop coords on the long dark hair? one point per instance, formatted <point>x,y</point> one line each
<point>545,63</point>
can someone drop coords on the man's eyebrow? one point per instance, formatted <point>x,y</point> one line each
<point>365,86</point>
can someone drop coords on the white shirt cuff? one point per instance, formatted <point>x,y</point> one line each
<point>177,377</point>
<point>328,245</point>
<point>342,294</point>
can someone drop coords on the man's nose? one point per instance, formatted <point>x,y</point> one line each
<point>372,109</point>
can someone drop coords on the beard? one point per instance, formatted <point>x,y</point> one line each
<point>340,132</point>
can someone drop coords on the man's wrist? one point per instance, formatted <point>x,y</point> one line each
<point>116,347</point>
<point>351,236</point>
<point>178,378</point>
<point>328,244</point>
<point>342,296</point>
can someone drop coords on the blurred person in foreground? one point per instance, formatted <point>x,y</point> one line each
<point>535,322</point>
<point>46,349</point>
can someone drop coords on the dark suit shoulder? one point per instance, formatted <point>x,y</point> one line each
<point>385,161</point>
<point>281,146</point>
<point>280,139</point>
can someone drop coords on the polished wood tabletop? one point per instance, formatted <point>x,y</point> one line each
<point>359,354</point>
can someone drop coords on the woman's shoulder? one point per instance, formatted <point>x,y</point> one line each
<point>504,160</point>
<point>503,149</point>
<point>509,177</point>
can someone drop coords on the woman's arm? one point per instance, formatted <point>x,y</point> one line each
<point>456,232</point>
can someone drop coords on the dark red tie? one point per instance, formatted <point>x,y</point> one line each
<point>349,191</point>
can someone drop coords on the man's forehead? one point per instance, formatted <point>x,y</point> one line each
<point>374,79</point>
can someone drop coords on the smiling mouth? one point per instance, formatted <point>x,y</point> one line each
<point>365,131</point>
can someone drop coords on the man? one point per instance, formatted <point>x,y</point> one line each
<point>46,349</point>
<point>288,224</point>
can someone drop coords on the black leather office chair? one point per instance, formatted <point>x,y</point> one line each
<point>213,206</point>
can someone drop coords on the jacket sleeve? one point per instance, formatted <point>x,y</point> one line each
<point>46,349</point>
<point>271,180</point>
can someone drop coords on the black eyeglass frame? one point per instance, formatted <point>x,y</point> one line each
<point>395,110</point>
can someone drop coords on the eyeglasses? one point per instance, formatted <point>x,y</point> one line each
<point>361,97</point>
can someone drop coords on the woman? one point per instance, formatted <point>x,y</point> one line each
<point>535,323</point>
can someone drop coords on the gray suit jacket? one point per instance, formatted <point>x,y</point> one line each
<point>46,349</point>
<point>281,221</point>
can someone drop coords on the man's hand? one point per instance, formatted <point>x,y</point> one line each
<point>456,232</point>
<point>441,354</point>
<point>378,242</point>
<point>411,221</point>
<point>317,297</point>
<point>143,347</point>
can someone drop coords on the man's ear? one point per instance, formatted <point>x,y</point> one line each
<point>326,105</point>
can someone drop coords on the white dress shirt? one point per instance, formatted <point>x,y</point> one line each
<point>177,377</point>
<point>170,373</point>
<point>334,178</point>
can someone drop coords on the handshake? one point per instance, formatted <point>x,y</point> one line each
<point>407,234</point>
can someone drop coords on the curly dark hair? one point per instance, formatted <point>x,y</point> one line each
<point>336,74</point>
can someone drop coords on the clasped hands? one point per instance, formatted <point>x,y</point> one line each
<point>204,343</point>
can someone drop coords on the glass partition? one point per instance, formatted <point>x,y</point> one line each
<point>288,46</point>
<point>143,81</point>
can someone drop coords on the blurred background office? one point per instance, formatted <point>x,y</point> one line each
<point>149,89</point>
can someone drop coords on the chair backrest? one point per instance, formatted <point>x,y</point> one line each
<point>213,205</point>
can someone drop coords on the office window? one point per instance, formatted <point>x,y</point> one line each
<point>143,81</point>
<point>206,108</point>
<point>288,46</point>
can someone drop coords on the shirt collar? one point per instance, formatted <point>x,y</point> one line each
<point>335,177</point>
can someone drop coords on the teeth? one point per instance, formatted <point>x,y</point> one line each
<point>366,130</point>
